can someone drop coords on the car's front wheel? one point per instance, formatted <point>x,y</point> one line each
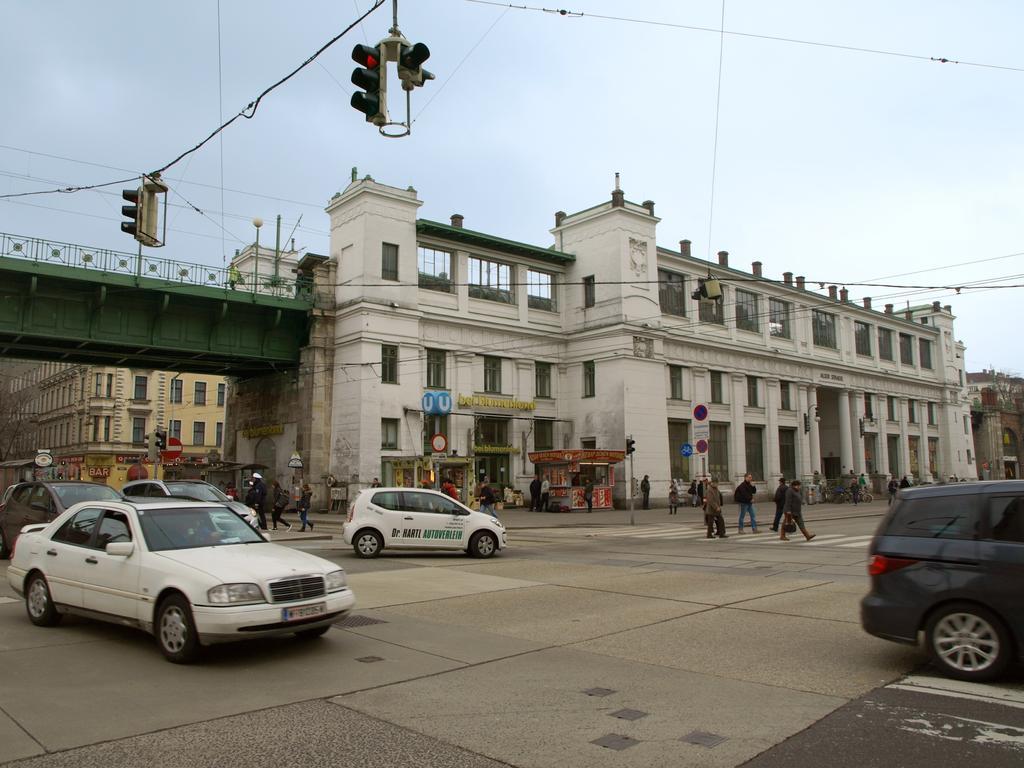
<point>968,642</point>
<point>38,602</point>
<point>483,544</point>
<point>367,543</point>
<point>176,630</point>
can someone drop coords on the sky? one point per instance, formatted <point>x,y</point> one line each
<point>841,151</point>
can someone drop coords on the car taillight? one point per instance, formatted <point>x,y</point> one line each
<point>881,565</point>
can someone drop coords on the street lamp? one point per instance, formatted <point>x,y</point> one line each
<point>256,222</point>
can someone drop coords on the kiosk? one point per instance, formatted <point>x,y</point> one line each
<point>568,471</point>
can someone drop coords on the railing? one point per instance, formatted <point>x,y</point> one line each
<point>141,265</point>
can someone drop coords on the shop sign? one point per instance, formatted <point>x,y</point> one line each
<point>483,401</point>
<point>295,462</point>
<point>265,431</point>
<point>101,459</point>
<point>836,377</point>
<point>499,449</point>
<point>44,459</point>
<point>586,455</point>
<point>71,459</point>
<point>98,472</point>
<point>436,402</point>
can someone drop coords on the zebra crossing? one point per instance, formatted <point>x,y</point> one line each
<point>675,532</point>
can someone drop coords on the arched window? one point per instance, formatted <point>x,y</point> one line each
<point>1009,442</point>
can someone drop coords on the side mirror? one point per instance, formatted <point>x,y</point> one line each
<point>120,548</point>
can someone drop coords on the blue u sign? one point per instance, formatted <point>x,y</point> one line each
<point>437,402</point>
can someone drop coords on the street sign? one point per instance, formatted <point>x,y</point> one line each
<point>702,431</point>
<point>295,462</point>
<point>700,412</point>
<point>173,449</point>
<point>44,459</point>
<point>439,443</point>
<point>436,402</point>
<point>702,446</point>
<point>686,449</point>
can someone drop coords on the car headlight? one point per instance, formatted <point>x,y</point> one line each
<point>335,581</point>
<point>234,594</point>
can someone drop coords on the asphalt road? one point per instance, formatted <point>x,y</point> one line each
<point>587,643</point>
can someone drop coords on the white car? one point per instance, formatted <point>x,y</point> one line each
<point>191,573</point>
<point>419,518</point>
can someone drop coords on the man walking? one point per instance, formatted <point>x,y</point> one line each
<point>545,491</point>
<point>535,493</point>
<point>794,514</point>
<point>744,495</point>
<point>487,498</point>
<point>713,511</point>
<point>780,502</point>
<point>645,490</point>
<point>588,495</point>
<point>255,498</point>
<point>893,487</point>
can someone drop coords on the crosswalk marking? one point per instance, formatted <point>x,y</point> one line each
<point>842,541</point>
<point>686,533</point>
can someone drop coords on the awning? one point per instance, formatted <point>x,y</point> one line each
<point>17,463</point>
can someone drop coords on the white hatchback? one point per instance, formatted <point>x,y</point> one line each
<point>191,573</point>
<point>419,518</point>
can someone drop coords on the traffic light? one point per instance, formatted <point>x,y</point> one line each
<point>410,65</point>
<point>151,448</point>
<point>630,445</point>
<point>371,76</point>
<point>133,196</point>
<point>708,289</point>
<point>144,210</point>
<point>161,439</point>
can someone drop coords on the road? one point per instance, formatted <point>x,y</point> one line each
<point>589,642</point>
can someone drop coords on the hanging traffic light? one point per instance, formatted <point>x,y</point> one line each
<point>630,445</point>
<point>161,439</point>
<point>144,211</point>
<point>410,65</point>
<point>708,289</point>
<point>371,76</point>
<point>133,196</point>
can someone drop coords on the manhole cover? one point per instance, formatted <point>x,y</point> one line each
<point>370,659</point>
<point>615,741</point>
<point>358,621</point>
<point>703,739</point>
<point>599,691</point>
<point>629,714</point>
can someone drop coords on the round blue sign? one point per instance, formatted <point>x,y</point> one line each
<point>686,449</point>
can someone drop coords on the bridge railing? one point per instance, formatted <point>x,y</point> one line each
<point>169,270</point>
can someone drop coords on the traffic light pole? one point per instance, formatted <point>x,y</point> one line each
<point>632,521</point>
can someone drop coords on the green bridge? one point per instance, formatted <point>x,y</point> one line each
<point>70,303</point>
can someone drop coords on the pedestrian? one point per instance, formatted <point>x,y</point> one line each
<point>302,505</point>
<point>692,491</point>
<point>892,487</point>
<point>862,481</point>
<point>535,493</point>
<point>279,499</point>
<point>744,496</point>
<point>855,491</point>
<point>645,490</point>
<point>487,498</point>
<point>794,514</point>
<point>780,502</point>
<point>256,497</point>
<point>701,487</point>
<point>231,492</point>
<point>375,483</point>
<point>588,495</point>
<point>545,490</point>
<point>448,487</point>
<point>904,483</point>
<point>712,503</point>
<point>673,498</point>
<point>234,276</point>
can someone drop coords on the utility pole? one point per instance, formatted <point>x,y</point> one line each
<point>632,521</point>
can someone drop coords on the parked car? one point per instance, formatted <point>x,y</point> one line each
<point>947,562</point>
<point>190,573</point>
<point>415,518</point>
<point>41,501</point>
<point>196,490</point>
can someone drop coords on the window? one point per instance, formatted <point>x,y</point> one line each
<point>885,344</point>
<point>891,408</point>
<point>753,438</point>
<point>862,338</point>
<point>785,397</point>
<point>823,325</point>
<point>967,425</point>
<point>110,385</point>
<point>437,368</point>
<point>176,389</point>
<point>113,529</point>
<point>718,454</point>
<point>95,429</point>
<point>589,379</point>
<point>970,459</point>
<point>138,430</point>
<point>924,351</point>
<point>540,290</point>
<point>931,414</point>
<point>99,384</point>
<point>588,291</point>
<point>675,382</point>
<point>219,439</point>
<point>709,311</point>
<point>678,433</point>
<point>906,349</point>
<point>542,379</point>
<point>389,434</point>
<point>752,391</point>
<point>79,529</point>
<point>389,261</point>
<point>221,390</point>
<point>778,319</point>
<point>746,311</point>
<point>543,434</point>
<point>912,411</point>
<point>199,395</point>
<point>787,451</point>
<point>716,387</point>
<point>869,407</point>
<point>492,374</point>
<point>435,268</point>
<point>937,517</point>
<point>1007,516</point>
<point>492,432</point>
<point>106,428</point>
<point>198,433</point>
<point>174,428</point>
<point>490,280</point>
<point>388,364</point>
<point>141,387</point>
<point>672,293</point>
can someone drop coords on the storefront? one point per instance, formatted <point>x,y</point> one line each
<point>569,471</point>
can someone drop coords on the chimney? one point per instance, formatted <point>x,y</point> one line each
<point>949,308</point>
<point>559,218</point>
<point>907,314</point>
<point>936,306</point>
<point>888,309</point>
<point>618,196</point>
<point>867,302</point>
<point>756,268</point>
<point>787,278</point>
<point>649,205</point>
<point>457,219</point>
<point>844,295</point>
<point>800,282</point>
<point>723,258</point>
<point>684,248</point>
<point>832,292</point>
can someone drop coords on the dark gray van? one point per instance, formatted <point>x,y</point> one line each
<point>948,561</point>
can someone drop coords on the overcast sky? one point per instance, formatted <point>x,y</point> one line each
<point>845,166</point>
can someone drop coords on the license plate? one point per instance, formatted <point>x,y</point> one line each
<point>303,611</point>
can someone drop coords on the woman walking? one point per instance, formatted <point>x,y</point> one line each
<point>303,506</point>
<point>793,512</point>
<point>673,498</point>
<point>692,491</point>
<point>281,499</point>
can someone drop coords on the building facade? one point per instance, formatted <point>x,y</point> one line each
<point>997,411</point>
<point>591,340</point>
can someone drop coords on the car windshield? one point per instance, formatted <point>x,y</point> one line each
<point>189,528</point>
<point>198,491</point>
<point>72,494</point>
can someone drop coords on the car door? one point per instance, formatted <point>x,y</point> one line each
<point>111,582</point>
<point>16,512</point>
<point>42,507</point>
<point>385,509</point>
<point>1002,558</point>
<point>63,558</point>
<point>444,522</point>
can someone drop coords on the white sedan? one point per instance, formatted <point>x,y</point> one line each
<point>191,573</point>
